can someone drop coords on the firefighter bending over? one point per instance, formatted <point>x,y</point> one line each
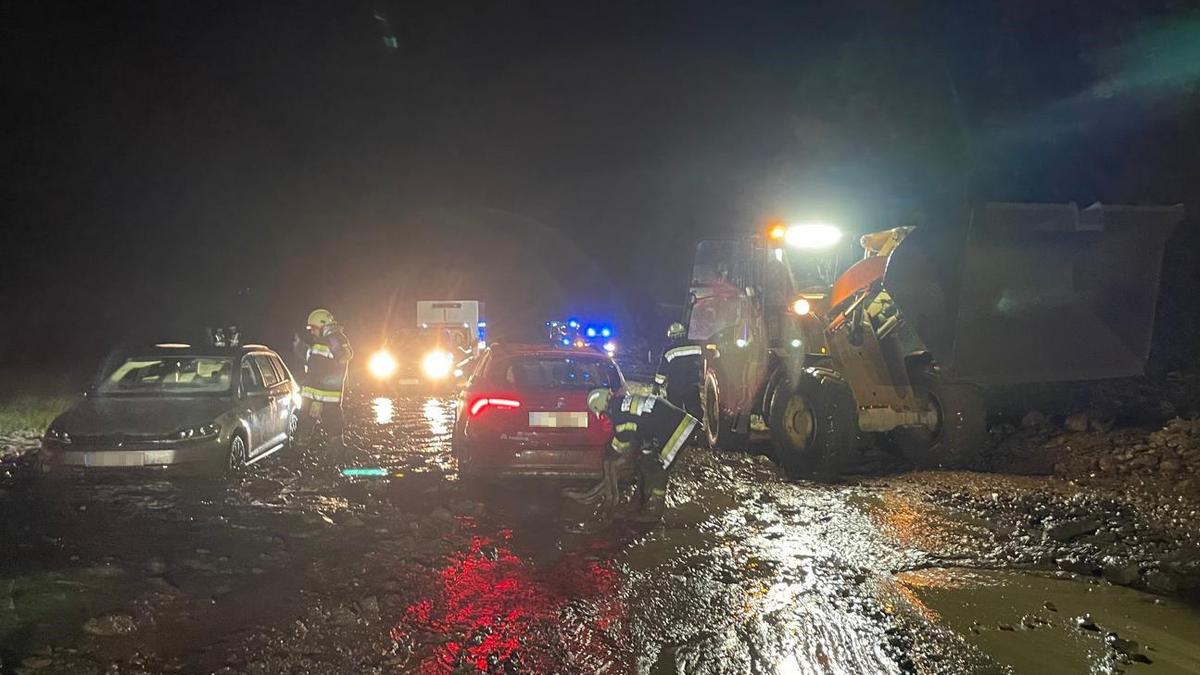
<point>326,353</point>
<point>648,433</point>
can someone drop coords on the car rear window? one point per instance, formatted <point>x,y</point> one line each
<point>169,376</point>
<point>553,372</point>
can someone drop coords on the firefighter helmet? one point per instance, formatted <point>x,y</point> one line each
<point>319,318</point>
<point>597,400</point>
<point>676,331</point>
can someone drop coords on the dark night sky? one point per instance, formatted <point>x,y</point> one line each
<point>175,163</point>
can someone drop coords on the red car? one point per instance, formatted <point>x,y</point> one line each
<point>524,413</point>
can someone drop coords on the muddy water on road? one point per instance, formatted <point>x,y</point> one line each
<point>1043,622</point>
<point>295,570</point>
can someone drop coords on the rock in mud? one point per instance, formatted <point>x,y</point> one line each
<point>1077,422</point>
<point>36,663</point>
<point>343,616</point>
<point>110,624</point>
<point>1122,575</point>
<point>1074,528</point>
<point>1034,419</point>
<point>1163,582</point>
<point>368,607</point>
<point>1086,623</point>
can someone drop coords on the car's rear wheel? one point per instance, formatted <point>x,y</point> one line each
<point>235,460</point>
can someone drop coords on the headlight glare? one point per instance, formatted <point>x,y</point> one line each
<point>437,364</point>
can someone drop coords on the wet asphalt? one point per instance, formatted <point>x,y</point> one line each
<point>296,570</point>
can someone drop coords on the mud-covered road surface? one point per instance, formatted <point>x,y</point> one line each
<point>296,570</point>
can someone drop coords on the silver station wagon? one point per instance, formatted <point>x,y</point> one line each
<point>212,409</point>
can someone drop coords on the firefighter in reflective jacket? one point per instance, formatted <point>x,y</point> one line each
<point>326,353</point>
<point>648,433</point>
<point>678,376</point>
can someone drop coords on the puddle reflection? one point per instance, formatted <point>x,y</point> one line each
<point>384,410</point>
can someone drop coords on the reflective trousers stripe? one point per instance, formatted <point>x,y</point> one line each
<point>324,395</point>
<point>621,447</point>
<point>671,448</point>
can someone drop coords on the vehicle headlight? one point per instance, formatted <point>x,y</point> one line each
<point>437,364</point>
<point>610,347</point>
<point>56,434</point>
<point>382,364</point>
<point>205,431</point>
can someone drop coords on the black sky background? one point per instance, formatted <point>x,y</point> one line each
<point>171,165</point>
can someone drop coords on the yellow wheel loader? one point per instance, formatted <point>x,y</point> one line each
<point>902,341</point>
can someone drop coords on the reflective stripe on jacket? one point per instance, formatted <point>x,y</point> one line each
<point>326,360</point>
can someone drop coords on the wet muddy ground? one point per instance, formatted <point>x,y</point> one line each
<point>296,570</point>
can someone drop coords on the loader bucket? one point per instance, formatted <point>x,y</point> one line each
<point>1035,293</point>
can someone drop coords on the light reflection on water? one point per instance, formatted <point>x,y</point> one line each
<point>384,410</point>
<point>438,415</point>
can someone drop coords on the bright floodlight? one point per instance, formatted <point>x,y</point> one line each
<point>812,236</point>
<point>382,364</point>
<point>437,364</point>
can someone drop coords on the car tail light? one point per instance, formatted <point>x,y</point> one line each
<point>481,404</point>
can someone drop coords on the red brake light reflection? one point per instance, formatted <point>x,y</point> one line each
<point>481,403</point>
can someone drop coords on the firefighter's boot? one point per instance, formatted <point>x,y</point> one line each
<point>652,508</point>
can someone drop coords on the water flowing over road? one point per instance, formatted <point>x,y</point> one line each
<point>296,570</point>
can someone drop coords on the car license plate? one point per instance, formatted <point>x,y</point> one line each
<point>570,420</point>
<point>113,458</point>
<point>409,380</point>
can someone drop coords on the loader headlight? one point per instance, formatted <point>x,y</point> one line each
<point>812,235</point>
<point>437,364</point>
<point>802,306</point>
<point>382,364</point>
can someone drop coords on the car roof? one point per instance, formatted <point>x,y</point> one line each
<point>538,349</point>
<point>185,349</point>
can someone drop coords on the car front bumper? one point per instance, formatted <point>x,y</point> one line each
<point>192,454</point>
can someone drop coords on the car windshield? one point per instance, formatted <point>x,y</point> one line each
<point>554,372</point>
<point>169,376</point>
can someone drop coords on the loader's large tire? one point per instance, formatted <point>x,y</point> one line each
<point>814,425</point>
<point>957,441</point>
<point>718,428</point>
